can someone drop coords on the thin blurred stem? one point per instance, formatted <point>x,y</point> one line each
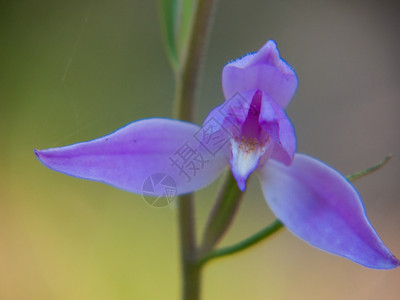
<point>190,270</point>
<point>245,244</point>
<point>189,74</point>
<point>370,170</point>
<point>187,79</point>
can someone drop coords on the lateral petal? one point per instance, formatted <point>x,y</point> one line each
<point>131,155</point>
<point>318,204</point>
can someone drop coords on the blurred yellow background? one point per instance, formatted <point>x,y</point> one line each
<point>72,71</point>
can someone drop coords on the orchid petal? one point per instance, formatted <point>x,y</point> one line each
<point>134,153</point>
<point>320,206</point>
<point>276,123</point>
<point>242,119</point>
<point>264,70</point>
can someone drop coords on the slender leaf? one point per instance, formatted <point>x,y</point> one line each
<point>177,18</point>
<point>244,244</point>
<point>169,12</point>
<point>187,14</point>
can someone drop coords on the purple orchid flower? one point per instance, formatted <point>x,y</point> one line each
<point>250,132</point>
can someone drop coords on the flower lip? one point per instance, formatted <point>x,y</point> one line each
<point>246,155</point>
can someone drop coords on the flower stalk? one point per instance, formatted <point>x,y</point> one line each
<point>191,272</point>
<point>187,80</point>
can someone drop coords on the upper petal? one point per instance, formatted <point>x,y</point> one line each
<point>264,70</point>
<point>320,206</point>
<point>131,155</point>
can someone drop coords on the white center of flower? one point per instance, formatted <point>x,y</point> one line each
<point>246,155</point>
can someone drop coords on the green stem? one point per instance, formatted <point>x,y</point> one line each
<point>186,87</point>
<point>190,269</point>
<point>222,214</point>
<point>368,171</point>
<point>246,243</point>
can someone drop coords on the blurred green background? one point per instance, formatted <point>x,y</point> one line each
<point>72,71</point>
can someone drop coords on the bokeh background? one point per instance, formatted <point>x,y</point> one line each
<point>73,70</point>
